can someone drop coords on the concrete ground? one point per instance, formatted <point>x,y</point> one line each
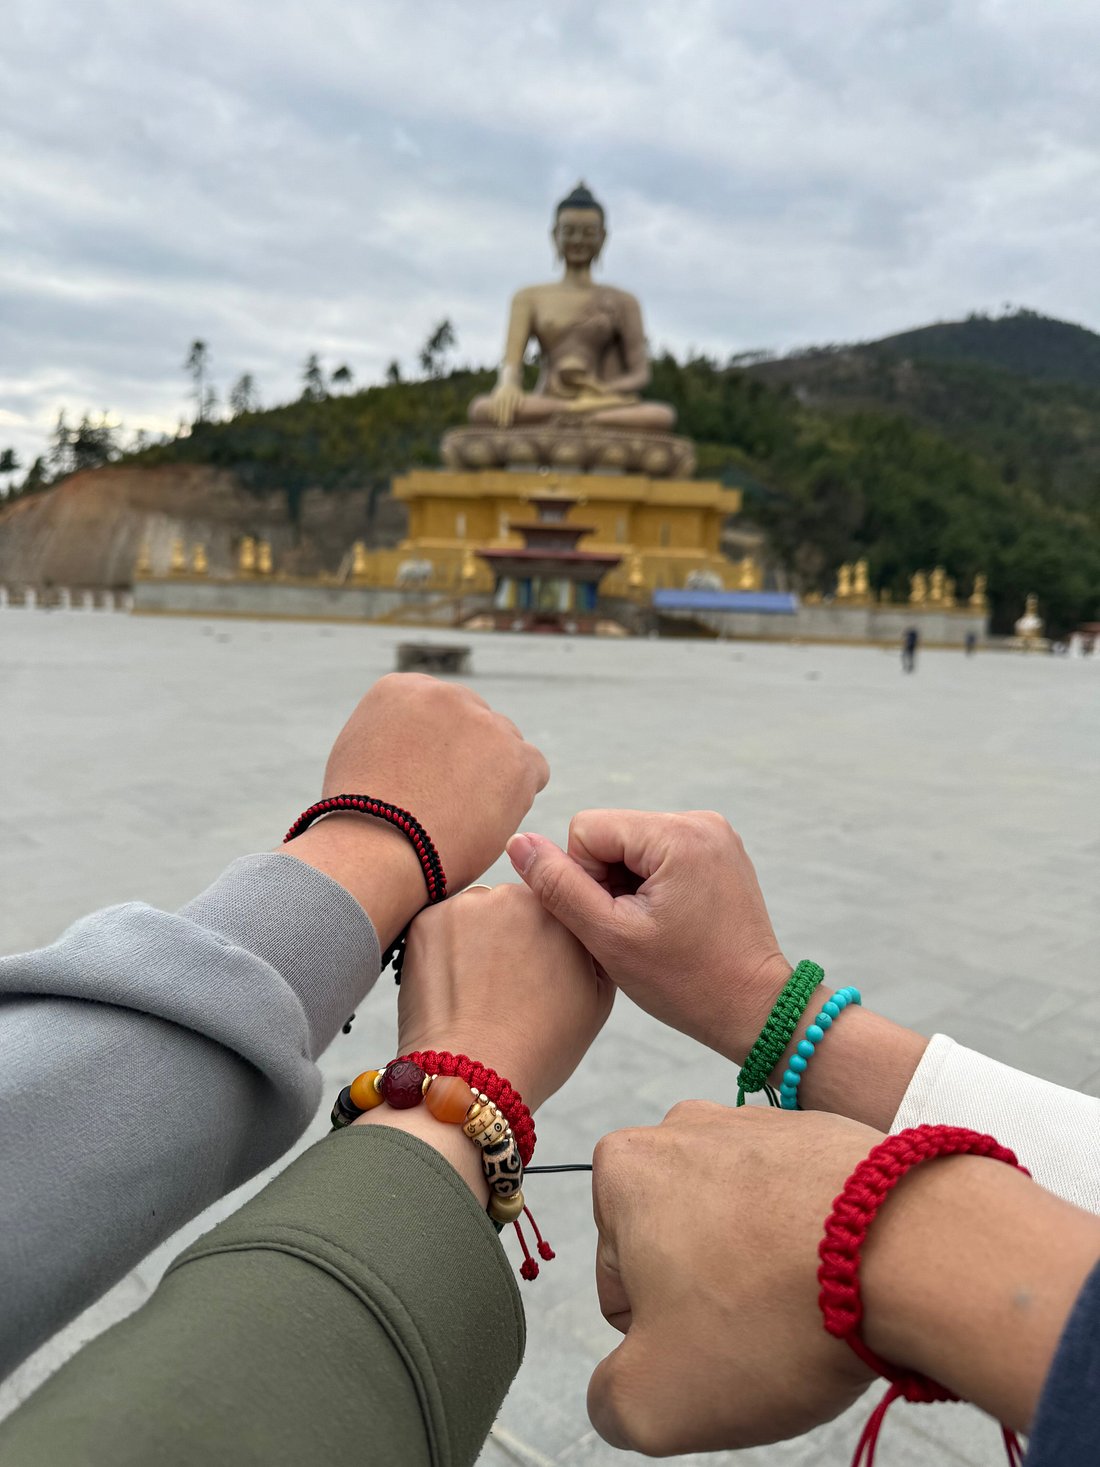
<point>932,839</point>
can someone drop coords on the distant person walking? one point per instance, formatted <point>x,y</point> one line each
<point>971,643</point>
<point>909,644</point>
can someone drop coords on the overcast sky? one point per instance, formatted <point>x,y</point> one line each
<point>299,176</point>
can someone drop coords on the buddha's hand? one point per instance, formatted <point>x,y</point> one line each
<point>492,975</point>
<point>670,908</point>
<point>706,1261</point>
<point>439,751</point>
<point>504,402</point>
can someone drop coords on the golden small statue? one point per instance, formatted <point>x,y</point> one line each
<point>918,589</point>
<point>263,558</point>
<point>359,562</point>
<point>178,563</point>
<point>199,563</point>
<point>936,587</point>
<point>844,583</point>
<point>861,587</point>
<point>469,567</point>
<point>144,564</point>
<point>635,577</point>
<point>1029,628</point>
<point>747,574</point>
<point>246,560</point>
<point>949,592</point>
<point>978,600</point>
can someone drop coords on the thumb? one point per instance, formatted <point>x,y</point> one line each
<point>565,889</point>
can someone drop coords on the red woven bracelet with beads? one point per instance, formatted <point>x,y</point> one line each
<point>841,1252</point>
<point>479,1077</point>
<point>434,876</point>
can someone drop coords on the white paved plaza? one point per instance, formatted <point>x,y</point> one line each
<point>933,839</point>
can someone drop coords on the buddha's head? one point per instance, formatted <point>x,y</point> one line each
<point>579,228</point>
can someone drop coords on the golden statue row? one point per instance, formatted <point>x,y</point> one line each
<point>253,559</point>
<point>933,590</point>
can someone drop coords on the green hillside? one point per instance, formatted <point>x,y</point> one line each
<point>1021,341</point>
<point>841,453</point>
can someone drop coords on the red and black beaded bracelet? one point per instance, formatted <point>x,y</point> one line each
<point>435,878</point>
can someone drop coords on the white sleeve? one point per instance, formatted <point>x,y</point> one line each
<point>1054,1132</point>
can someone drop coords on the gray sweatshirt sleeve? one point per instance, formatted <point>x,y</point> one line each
<point>151,1062</point>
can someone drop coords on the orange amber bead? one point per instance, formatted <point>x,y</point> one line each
<point>449,1098</point>
<point>362,1093</point>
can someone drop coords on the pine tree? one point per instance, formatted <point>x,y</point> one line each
<point>243,397</point>
<point>198,364</point>
<point>313,380</point>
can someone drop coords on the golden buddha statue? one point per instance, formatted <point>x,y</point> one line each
<point>844,582</point>
<point>178,564</point>
<point>200,561</point>
<point>861,583</point>
<point>246,560</point>
<point>590,337</point>
<point>584,410</point>
<point>918,589</point>
<point>978,601</point>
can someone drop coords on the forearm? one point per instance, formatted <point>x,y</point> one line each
<point>875,1071</point>
<point>152,1062</point>
<point>361,1298</point>
<point>969,1275</point>
<point>863,1067</point>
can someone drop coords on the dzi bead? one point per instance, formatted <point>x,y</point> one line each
<point>502,1166</point>
<point>402,1084</point>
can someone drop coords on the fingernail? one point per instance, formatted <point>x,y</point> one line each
<point>521,852</point>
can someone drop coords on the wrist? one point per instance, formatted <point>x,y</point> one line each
<point>372,861</point>
<point>746,1019</point>
<point>969,1274</point>
<point>497,1047</point>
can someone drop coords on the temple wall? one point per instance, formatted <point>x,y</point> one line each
<point>287,600</point>
<point>879,624</point>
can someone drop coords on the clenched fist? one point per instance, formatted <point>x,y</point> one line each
<point>438,750</point>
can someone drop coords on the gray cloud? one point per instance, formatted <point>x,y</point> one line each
<point>286,178</point>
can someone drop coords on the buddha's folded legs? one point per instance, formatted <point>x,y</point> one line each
<point>641,417</point>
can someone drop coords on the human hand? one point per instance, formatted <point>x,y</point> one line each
<point>438,750</point>
<point>707,1261</point>
<point>670,908</point>
<point>489,973</point>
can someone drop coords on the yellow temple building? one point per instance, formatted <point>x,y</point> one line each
<point>664,529</point>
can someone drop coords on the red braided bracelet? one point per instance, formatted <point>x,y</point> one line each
<point>490,1111</point>
<point>841,1252</point>
<point>479,1077</point>
<point>434,876</point>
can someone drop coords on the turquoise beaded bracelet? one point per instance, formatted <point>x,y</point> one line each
<point>792,1078</point>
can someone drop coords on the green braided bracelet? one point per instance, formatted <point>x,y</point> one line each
<point>781,1023</point>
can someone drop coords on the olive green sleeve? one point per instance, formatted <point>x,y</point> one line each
<point>360,1309</point>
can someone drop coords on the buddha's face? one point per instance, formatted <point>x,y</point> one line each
<point>579,235</point>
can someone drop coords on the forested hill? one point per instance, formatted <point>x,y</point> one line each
<point>1022,342</point>
<point>841,453</point>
